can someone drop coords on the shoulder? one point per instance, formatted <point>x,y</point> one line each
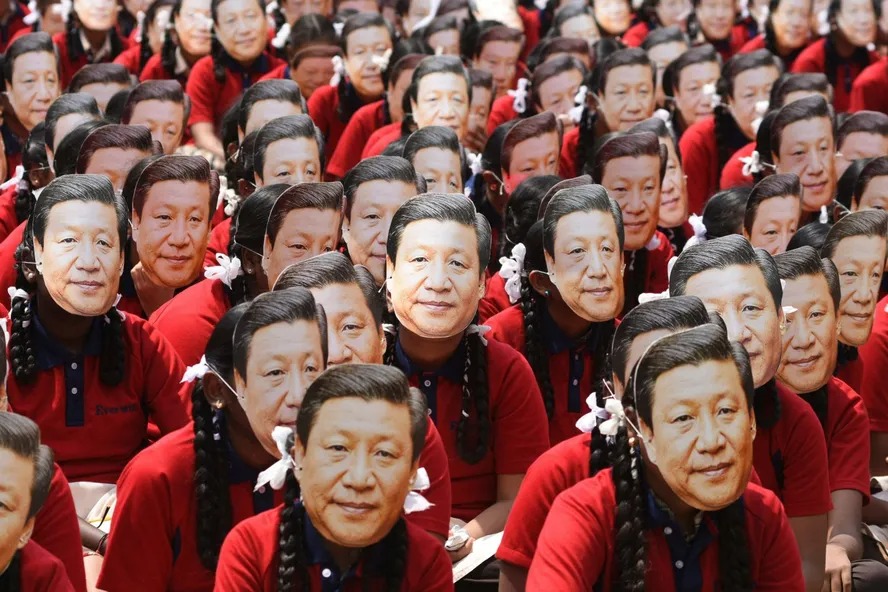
<point>43,570</point>
<point>756,43</point>
<point>701,130</point>
<point>208,293</point>
<point>202,67</point>
<point>563,465</point>
<point>876,73</point>
<point>425,550</point>
<point>762,506</point>
<point>507,326</point>
<point>255,535</point>
<point>591,497</point>
<point>323,95</point>
<point>170,458</point>
<point>813,53</point>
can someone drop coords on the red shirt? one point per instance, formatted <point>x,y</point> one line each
<point>220,236</point>
<point>8,218</point>
<point>380,139</point>
<point>209,99</point>
<point>567,165</point>
<point>249,560</point>
<point>40,571</point>
<point>7,262</point>
<point>503,110</point>
<point>518,433</point>
<point>699,154</point>
<point>279,71</point>
<point>847,439</point>
<point>813,59</point>
<point>874,356</point>
<point>791,458</point>
<point>870,89</point>
<point>15,23</point>
<point>634,35</point>
<point>851,373</point>
<point>68,65</point>
<point>576,545</point>
<point>131,59</point>
<point>495,298</point>
<point>323,106</point>
<point>732,173</point>
<point>347,153</point>
<point>571,366</point>
<point>95,429</point>
<point>188,320</point>
<point>154,70</point>
<point>530,18</point>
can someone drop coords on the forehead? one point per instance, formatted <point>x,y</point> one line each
<point>633,74</point>
<point>235,6</point>
<point>16,475</point>
<point>378,193</point>
<point>694,72</point>
<point>586,225</point>
<point>806,288</point>
<point>367,35</point>
<point>774,207</point>
<point>155,109</point>
<point>285,339</point>
<point>542,144</point>
<point>631,166</point>
<point>75,212</point>
<point>701,384</point>
<point>501,49</point>
<point>666,52</point>
<point>179,192</point>
<point>117,159</point>
<point>33,61</point>
<point>866,143</point>
<point>721,286</point>
<point>639,346</point>
<point>756,76</point>
<point>436,234</point>
<point>807,130</point>
<point>315,62</point>
<point>436,158</point>
<point>310,221</point>
<point>442,81</point>
<point>369,420</point>
<point>572,76</point>
<point>341,298</point>
<point>860,249</point>
<point>292,150</point>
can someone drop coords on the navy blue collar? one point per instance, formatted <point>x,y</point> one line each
<point>453,369</point>
<point>557,341</point>
<point>373,557</point>
<point>260,65</point>
<point>238,470</point>
<point>50,354</point>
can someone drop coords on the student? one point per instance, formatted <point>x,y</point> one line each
<point>66,113</point>
<point>101,81</point>
<point>186,40</point>
<point>496,50</point>
<point>107,370</point>
<point>288,150</point>
<point>90,37</point>
<point>862,135</point>
<point>374,190</point>
<point>290,11</point>
<point>442,35</point>
<point>149,38</point>
<point>311,45</point>
<point>529,149</point>
<point>685,84</point>
<point>713,22</point>
<point>267,100</point>
<point>868,89</point>
<point>437,250</point>
<point>479,110</point>
<point>870,189</point>
<point>435,153</point>
<point>772,212</point>
<point>656,14</point>
<point>27,469</point>
<point>574,20</point>
<point>810,346</point>
<point>238,59</point>
<point>742,284</point>
<point>18,200</point>
<point>663,47</point>
<point>605,531</point>
<point>47,18</point>
<point>161,106</point>
<point>303,543</point>
<point>786,31</point>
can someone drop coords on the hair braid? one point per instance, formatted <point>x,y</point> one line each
<point>475,392</point>
<point>630,551</point>
<point>391,340</point>
<point>723,122</point>
<point>117,42</point>
<point>635,278</point>
<point>531,307</point>
<point>217,52</point>
<point>210,481</point>
<point>237,293</point>
<point>112,364</point>
<point>733,549</point>
<point>22,360</point>
<point>24,203</point>
<point>291,541</point>
<point>168,54</point>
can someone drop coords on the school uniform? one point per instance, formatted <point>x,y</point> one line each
<point>874,358</point>
<point>813,59</point>
<point>732,173</point>
<point>849,366</point>
<point>652,264</point>
<point>8,217</point>
<point>699,152</point>
<point>532,19</point>
<point>279,71</point>
<point>14,23</point>
<point>220,237</point>
<point>69,65</point>
<point>567,165</point>
<point>249,560</point>
<point>870,89</point>
<point>37,571</point>
<point>495,298</point>
<point>503,110</point>
<point>758,42</point>
<point>347,153</point>
<point>577,544</point>
<point>571,363</point>
<point>380,139</point>
<point>677,236</point>
<point>791,457</point>
<point>155,70</point>
<point>7,263</point>
<point>209,99</point>
<point>95,429</point>
<point>131,59</point>
<point>635,35</point>
<point>323,107</point>
<point>740,35</point>
<point>518,424</point>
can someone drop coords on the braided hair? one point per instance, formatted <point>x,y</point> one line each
<point>23,361</point>
<point>33,158</point>
<point>145,51</point>
<point>217,51</point>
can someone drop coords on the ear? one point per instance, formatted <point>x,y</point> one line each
<point>493,183</point>
<point>540,282</point>
<point>243,188</point>
<point>752,425</point>
<point>482,287</point>
<point>26,534</point>
<point>298,453</point>
<point>648,436</point>
<point>251,260</point>
<point>346,230</point>
<point>389,268</point>
<point>413,108</point>
<point>38,253</point>
<point>214,390</point>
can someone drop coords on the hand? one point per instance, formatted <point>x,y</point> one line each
<point>151,296</point>
<point>462,552</point>
<point>838,570</point>
<point>475,139</point>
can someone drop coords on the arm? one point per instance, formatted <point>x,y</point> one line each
<point>844,544</point>
<point>512,578</point>
<point>493,519</point>
<point>878,454</point>
<point>205,137</point>
<point>169,401</point>
<point>810,535</point>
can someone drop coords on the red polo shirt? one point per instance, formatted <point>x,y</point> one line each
<point>874,356</point>
<point>323,106</point>
<point>870,89</point>
<point>634,35</point>
<point>380,139</point>
<point>8,218</point>
<point>495,298</point>
<point>732,173</point>
<point>847,439</point>
<point>68,65</point>
<point>95,429</point>
<point>279,71</point>
<point>791,457</point>
<point>567,165</point>
<point>518,433</point>
<point>40,571</point>
<point>220,236</point>
<point>130,59</point>
<point>503,110</point>
<point>530,18</point>
<point>57,529</point>
<point>813,59</point>
<point>14,24</point>
<point>699,154</point>
<point>347,153</point>
<point>7,262</point>
<point>577,544</point>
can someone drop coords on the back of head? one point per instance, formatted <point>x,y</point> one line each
<point>100,74</point>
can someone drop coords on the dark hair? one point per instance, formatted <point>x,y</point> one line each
<point>21,436</point>
<point>30,43</point>
<point>876,167</point>
<point>811,235</point>
<point>349,101</point>
<point>547,48</point>
<point>124,137</point>
<point>283,90</point>
<point>570,10</point>
<point>661,35</point>
<point>437,25</point>
<point>491,155</point>
<point>369,382</point>
<point>116,104</point>
<point>23,357</point>
<point>66,153</point>
<point>868,122</point>
<point>290,127</point>
<point>790,83</point>
<point>304,196</point>
<point>217,51</point>
<point>526,129</point>
<point>813,107</point>
<point>33,157</point>
<point>634,145</point>
<point>630,56</point>
<point>846,187</point>
<point>311,30</point>
<point>148,19</point>
<point>473,41</point>
<point>168,91</point>
<point>860,56</point>
<point>585,198</point>
<point>779,185</point>
<point>657,126</point>
<point>244,166</point>
<point>100,74</point>
<point>866,223</point>
<point>701,54</point>
<point>522,210</point>
<point>431,65</point>
<point>391,169</point>
<point>433,136</point>
<point>550,69</point>
<point>806,261</point>
<point>724,211</point>
<point>75,47</point>
<point>173,167</point>
<point>67,104</point>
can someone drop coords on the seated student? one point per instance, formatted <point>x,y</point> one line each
<point>686,81</point>
<point>442,34</point>
<point>772,212</point>
<point>479,110</point>
<point>374,190</point>
<point>148,37</point>
<point>171,202</point>
<point>786,31</point>
<point>30,72</point>
<point>162,107</point>
<point>107,370</point>
<point>435,153</point>
<point>563,334</point>
<point>367,41</point>
<point>495,49</point>
<point>27,469</point>
<point>631,167</point>
<point>482,393</point>
<point>844,53</point>
<point>237,61</point>
<point>742,284</point>
<point>870,187</point>
<point>310,45</point>
<point>17,200</point>
<point>869,89</point>
<point>856,244</point>
<point>304,543</point>
<point>187,320</point>
<point>655,505</point>
<point>47,18</point>
<point>654,15</point>
<point>187,39</point>
<point>101,81</point>
<point>90,37</point>
<point>663,47</point>
<point>813,294</point>
<point>572,20</point>
<point>623,87</point>
<point>267,100</point>
<point>305,221</point>
<point>66,113</point>
<point>713,21</point>
<point>288,150</point>
<point>288,13</point>
<point>862,135</point>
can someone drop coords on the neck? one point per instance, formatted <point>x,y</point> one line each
<point>68,329</point>
<point>189,58</point>
<point>566,320</point>
<point>683,513</point>
<point>345,557</point>
<point>95,38</point>
<point>429,354</point>
<point>244,441</point>
<point>843,47</point>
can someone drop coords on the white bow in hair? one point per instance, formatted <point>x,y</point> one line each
<point>664,116</point>
<point>588,422</point>
<point>824,215</point>
<point>699,237</point>
<point>280,40</point>
<point>271,7</point>
<point>415,502</point>
<point>195,372</point>
<point>163,20</point>
<point>63,9</point>
<point>226,271</point>
<point>761,107</point>
<point>33,14</point>
<point>232,199</point>
<point>520,95</point>
<point>654,243</point>
<point>511,269</point>
<point>709,90</point>
<point>338,27</point>
<point>14,179</point>
<point>645,297</point>
<point>17,293</point>
<point>752,164</point>
<point>540,4</point>
<point>823,22</point>
<point>277,473</point>
<point>744,9</point>
<point>383,60</point>
<point>475,163</point>
<point>338,70</point>
<point>480,330</point>
<point>389,328</point>
<point>613,415</point>
<point>140,26</point>
<point>576,112</point>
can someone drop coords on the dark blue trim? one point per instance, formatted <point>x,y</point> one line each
<point>451,370</point>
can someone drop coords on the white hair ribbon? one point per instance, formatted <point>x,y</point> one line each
<point>162,21</point>
<point>645,297</point>
<point>699,237</point>
<point>280,39</point>
<point>226,271</point>
<point>277,473</point>
<point>14,180</point>
<point>424,21</point>
<point>823,22</point>
<point>195,372</point>
<point>664,116</point>
<point>338,27</point>
<point>229,195</point>
<point>63,9</point>
<point>389,328</point>
<point>752,164</point>
<point>576,112</point>
<point>540,4</point>
<point>140,25</point>
<point>480,330</point>
<point>383,60</point>
<point>271,7</point>
<point>117,300</point>
<point>761,107</point>
<point>588,422</point>
<point>714,97</point>
<point>824,215</point>
<point>744,9</point>
<point>415,502</point>
<point>654,243</point>
<point>33,14</point>
<point>338,70</point>
<point>17,293</point>
<point>520,96</point>
<point>475,163</point>
<point>511,269</point>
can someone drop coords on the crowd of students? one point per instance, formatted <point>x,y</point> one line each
<point>315,294</point>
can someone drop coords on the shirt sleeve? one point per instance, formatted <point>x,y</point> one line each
<point>434,460</point>
<point>239,561</point>
<point>169,400</point>
<point>43,572</point>
<point>697,158</point>
<point>437,572</point>
<point>347,153</point>
<point>319,107</point>
<point>849,448</point>
<point>779,562</point>
<point>202,88</point>
<point>806,472</point>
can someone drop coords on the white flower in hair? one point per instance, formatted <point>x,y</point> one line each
<point>823,23</point>
<point>576,112</point>
<point>520,95</point>
<point>227,270</point>
<point>480,330</point>
<point>699,237</point>
<point>140,26</point>
<point>475,163</point>
<point>338,70</point>
<point>280,39</point>
<point>338,26</point>
<point>277,473</point>
<point>511,270</point>
<point>752,164</point>
<point>645,297</point>
<point>664,116</point>
<point>541,4</point>
<point>163,20</point>
<point>232,199</point>
<point>654,243</point>
<point>15,179</point>
<point>63,9</point>
<point>195,372</point>
<point>788,310</point>
<point>383,60</point>
<point>271,7</point>
<point>744,9</point>
<point>389,328</point>
<point>17,293</point>
<point>714,97</point>
<point>415,502</point>
<point>588,422</point>
<point>824,215</point>
<point>33,14</point>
